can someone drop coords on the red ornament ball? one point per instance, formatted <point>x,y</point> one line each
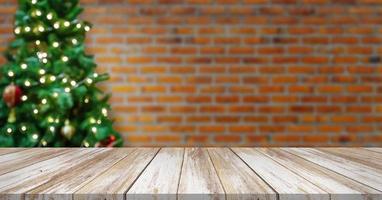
<point>12,95</point>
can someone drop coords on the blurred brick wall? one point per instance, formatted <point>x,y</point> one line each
<point>238,72</point>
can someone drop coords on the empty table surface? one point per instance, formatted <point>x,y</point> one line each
<point>191,173</point>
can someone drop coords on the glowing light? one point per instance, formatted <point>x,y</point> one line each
<point>44,60</point>
<point>9,130</point>
<point>44,101</point>
<point>41,29</point>
<point>44,143</point>
<point>42,80</point>
<point>74,41</point>
<point>52,129</point>
<point>92,121</point>
<point>87,28</point>
<point>86,100</point>
<point>86,144</point>
<point>57,121</point>
<point>49,16</point>
<point>52,78</point>
<point>104,111</point>
<point>11,73</point>
<point>24,98</point>
<point>50,119</point>
<point>35,111</point>
<point>99,121</point>
<point>42,71</point>
<point>94,129</point>
<point>56,44</point>
<point>64,80</point>
<point>95,75</point>
<point>66,23</point>
<point>34,1</point>
<point>24,66</point>
<point>78,25</point>
<point>65,58</point>
<point>88,80</point>
<point>73,83</point>
<point>27,83</point>
<point>38,42</point>
<point>67,89</point>
<point>38,13</point>
<point>23,128</point>
<point>27,29</point>
<point>35,136</point>
<point>56,25</point>
<point>55,94</point>
<point>17,30</point>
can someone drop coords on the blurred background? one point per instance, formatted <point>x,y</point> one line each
<point>237,72</point>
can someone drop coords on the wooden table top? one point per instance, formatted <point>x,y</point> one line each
<point>191,173</point>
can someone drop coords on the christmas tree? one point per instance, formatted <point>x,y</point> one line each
<point>49,96</point>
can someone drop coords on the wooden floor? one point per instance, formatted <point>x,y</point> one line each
<point>191,173</point>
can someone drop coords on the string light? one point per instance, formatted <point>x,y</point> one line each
<point>49,16</point>
<point>24,66</point>
<point>27,29</point>
<point>78,25</point>
<point>17,30</point>
<point>11,73</point>
<point>50,120</point>
<point>86,144</point>
<point>24,98</point>
<point>65,58</point>
<point>35,136</point>
<point>67,90</point>
<point>57,121</point>
<point>38,42</point>
<point>23,128</point>
<point>95,75</point>
<point>73,83</point>
<point>104,111</point>
<point>44,60</point>
<point>35,111</point>
<point>27,83</point>
<point>66,24</point>
<point>99,121</point>
<point>42,80</point>
<point>55,94</point>
<point>92,121</point>
<point>44,101</point>
<point>52,129</point>
<point>56,25</point>
<point>89,81</point>
<point>74,41</point>
<point>52,78</point>
<point>86,100</point>
<point>94,130</point>
<point>9,130</point>
<point>38,13</point>
<point>56,44</point>
<point>41,29</point>
<point>42,71</point>
<point>34,1</point>
<point>43,143</point>
<point>87,28</point>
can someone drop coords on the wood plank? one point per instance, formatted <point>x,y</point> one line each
<point>114,183</point>
<point>160,179</point>
<point>10,150</point>
<point>238,180</point>
<point>20,159</point>
<point>370,158</point>
<point>337,185</point>
<point>25,179</point>
<point>66,183</point>
<point>356,171</point>
<point>379,150</point>
<point>14,184</point>
<point>286,183</point>
<point>205,183</point>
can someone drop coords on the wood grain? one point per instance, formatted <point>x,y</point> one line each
<point>239,181</point>
<point>356,171</point>
<point>114,183</point>
<point>338,186</point>
<point>286,183</point>
<point>10,150</point>
<point>191,173</point>
<point>372,159</point>
<point>161,178</point>
<point>205,183</point>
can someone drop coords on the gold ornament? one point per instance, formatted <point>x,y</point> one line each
<point>68,130</point>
